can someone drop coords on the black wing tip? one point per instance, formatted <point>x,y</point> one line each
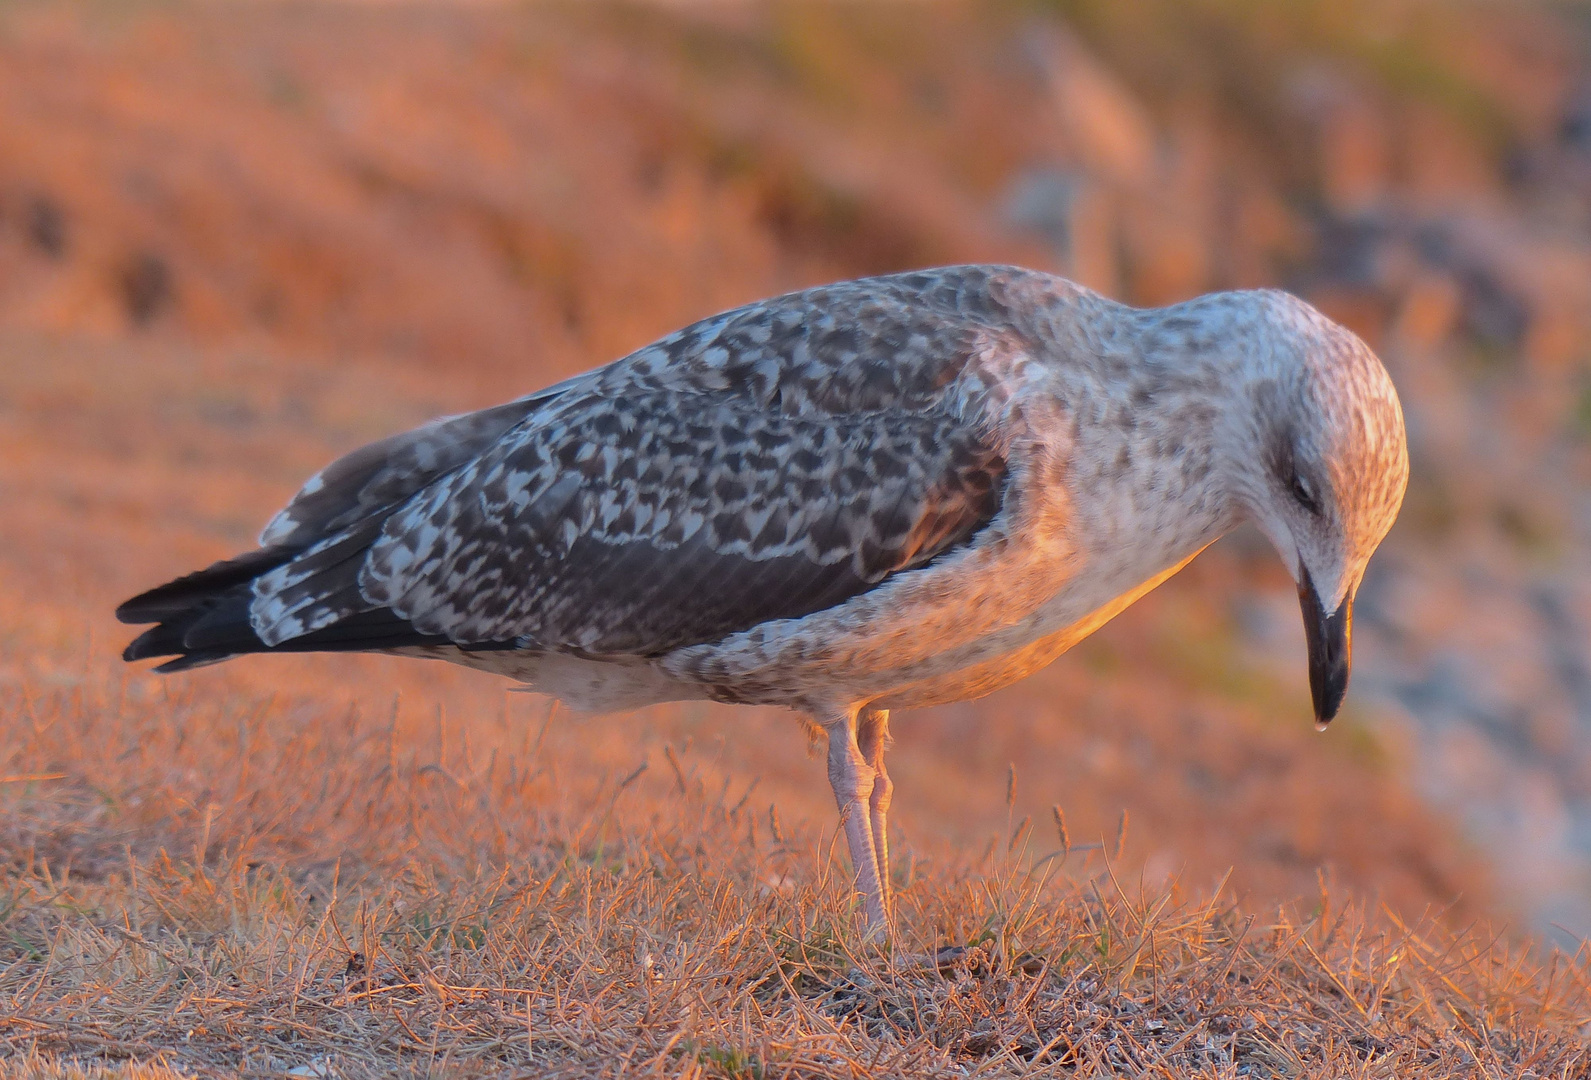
<point>162,640</point>
<point>178,606</point>
<point>219,628</point>
<point>208,630</point>
<point>137,611</point>
<point>167,639</point>
<point>137,650</point>
<point>190,661</point>
<point>145,607</point>
<point>177,599</point>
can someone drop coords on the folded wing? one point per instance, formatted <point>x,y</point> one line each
<point>631,511</point>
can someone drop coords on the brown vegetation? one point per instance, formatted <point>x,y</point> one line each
<point>262,890</point>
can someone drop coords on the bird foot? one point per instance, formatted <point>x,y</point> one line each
<point>977,961</point>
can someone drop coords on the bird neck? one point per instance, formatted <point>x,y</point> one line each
<point>1162,402</point>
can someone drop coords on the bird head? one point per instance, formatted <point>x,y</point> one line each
<point>1324,471</point>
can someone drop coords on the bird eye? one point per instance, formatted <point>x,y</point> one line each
<point>1305,497</point>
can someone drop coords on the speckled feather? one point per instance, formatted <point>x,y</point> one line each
<point>763,464</point>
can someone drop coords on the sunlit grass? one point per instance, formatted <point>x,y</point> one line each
<point>368,895</point>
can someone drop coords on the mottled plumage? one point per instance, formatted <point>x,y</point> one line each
<point>876,494</point>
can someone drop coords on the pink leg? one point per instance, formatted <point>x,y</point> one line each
<point>872,738</point>
<point>853,781</point>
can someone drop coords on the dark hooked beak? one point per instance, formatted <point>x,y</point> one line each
<point>1330,639</point>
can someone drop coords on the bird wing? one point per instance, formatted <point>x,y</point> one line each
<point>762,464</point>
<point>353,491</point>
<point>637,525</point>
<point>376,478</point>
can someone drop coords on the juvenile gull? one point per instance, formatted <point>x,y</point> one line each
<point>874,495</point>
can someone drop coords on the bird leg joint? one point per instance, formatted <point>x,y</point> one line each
<point>850,776</point>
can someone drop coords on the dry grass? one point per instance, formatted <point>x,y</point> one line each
<point>491,906</point>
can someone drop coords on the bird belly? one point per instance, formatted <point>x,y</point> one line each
<point>979,677</point>
<point>817,675</point>
<point>583,684</point>
<point>940,635</point>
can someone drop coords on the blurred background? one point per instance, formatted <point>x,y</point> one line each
<point>237,239</point>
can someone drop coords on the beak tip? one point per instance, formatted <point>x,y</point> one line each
<point>1333,687</point>
<point>1330,651</point>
